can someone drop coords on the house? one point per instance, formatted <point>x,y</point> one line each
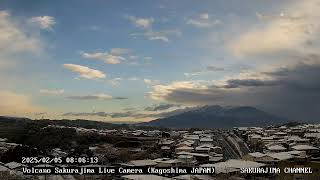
<point>281,156</point>
<point>276,148</point>
<point>192,137</point>
<point>201,158</point>
<point>195,177</point>
<point>297,140</point>
<point>166,142</point>
<point>187,143</point>
<point>165,148</point>
<point>233,165</point>
<point>254,138</point>
<point>186,160</point>
<point>298,154</point>
<point>253,156</point>
<point>14,165</point>
<point>166,162</point>
<point>145,162</point>
<point>184,148</point>
<point>310,150</point>
<point>206,140</point>
<point>215,159</point>
<point>217,149</point>
<point>203,148</point>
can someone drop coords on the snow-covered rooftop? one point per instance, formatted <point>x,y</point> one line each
<point>233,165</point>
<point>304,147</point>
<point>145,162</point>
<point>276,147</point>
<point>257,154</point>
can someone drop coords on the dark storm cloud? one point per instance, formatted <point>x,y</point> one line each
<point>235,83</point>
<point>293,92</point>
<point>120,98</point>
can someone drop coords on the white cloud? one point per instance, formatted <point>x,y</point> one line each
<point>133,79</point>
<point>203,21</point>
<point>51,91</point>
<point>160,92</point>
<point>159,35</point>
<point>44,22</point>
<point>149,32</point>
<point>141,22</point>
<point>114,81</point>
<point>104,56</point>
<point>13,38</point>
<point>151,82</point>
<point>289,31</point>
<point>204,16</point>
<point>84,71</point>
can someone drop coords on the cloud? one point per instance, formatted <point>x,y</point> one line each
<point>133,79</point>
<point>149,32</point>
<point>120,98</point>
<point>159,35</point>
<point>214,68</point>
<point>208,69</point>
<point>104,56</point>
<point>290,91</point>
<point>44,22</point>
<point>120,51</point>
<point>100,96</point>
<point>114,81</point>
<point>161,107</point>
<point>85,72</point>
<point>14,39</point>
<point>203,21</point>
<point>235,83</point>
<point>151,82</point>
<point>283,33</point>
<point>127,114</point>
<point>14,104</point>
<point>141,22</point>
<point>204,16</point>
<point>133,113</point>
<point>161,92</point>
<point>51,91</point>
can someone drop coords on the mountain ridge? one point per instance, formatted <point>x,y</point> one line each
<point>216,116</point>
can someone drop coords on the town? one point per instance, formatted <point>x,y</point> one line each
<point>289,151</point>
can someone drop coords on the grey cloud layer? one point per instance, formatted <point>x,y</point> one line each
<point>161,107</point>
<point>129,114</point>
<point>95,97</point>
<point>292,92</point>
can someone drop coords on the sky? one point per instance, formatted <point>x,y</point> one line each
<point>130,61</point>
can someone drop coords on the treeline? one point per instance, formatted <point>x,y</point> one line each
<point>36,133</point>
